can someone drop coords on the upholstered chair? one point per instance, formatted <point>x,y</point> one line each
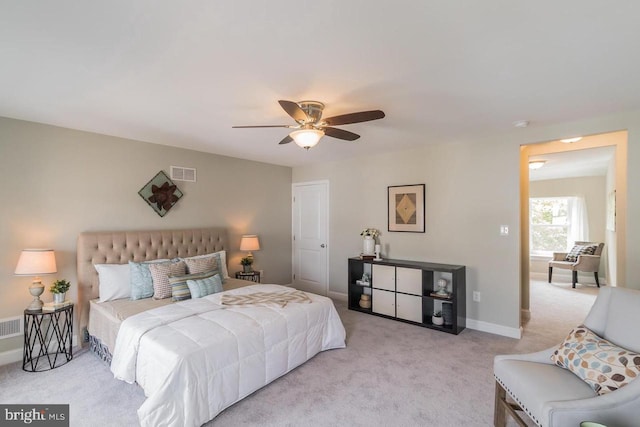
<point>553,396</point>
<point>584,262</point>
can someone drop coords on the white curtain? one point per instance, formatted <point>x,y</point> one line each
<point>579,229</point>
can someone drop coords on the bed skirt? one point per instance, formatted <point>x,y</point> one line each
<point>100,350</point>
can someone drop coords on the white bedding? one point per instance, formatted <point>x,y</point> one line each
<point>194,358</point>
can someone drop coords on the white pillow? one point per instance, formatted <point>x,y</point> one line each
<point>114,281</point>
<point>223,260</point>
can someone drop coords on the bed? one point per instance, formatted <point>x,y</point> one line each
<point>194,358</point>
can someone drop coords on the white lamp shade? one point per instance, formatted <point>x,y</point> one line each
<point>33,262</point>
<point>306,138</point>
<point>250,242</point>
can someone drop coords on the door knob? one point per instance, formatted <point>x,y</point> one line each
<point>322,245</point>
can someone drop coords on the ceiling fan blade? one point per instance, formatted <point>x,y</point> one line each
<point>340,134</point>
<point>287,139</point>
<point>263,126</point>
<point>294,110</point>
<point>362,116</point>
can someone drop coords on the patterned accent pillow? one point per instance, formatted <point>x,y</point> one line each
<point>202,263</point>
<point>203,287</point>
<point>601,364</point>
<point>160,273</point>
<point>198,265</point>
<point>180,290</point>
<point>141,280</point>
<point>580,250</point>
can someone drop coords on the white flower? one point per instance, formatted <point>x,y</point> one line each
<point>370,232</point>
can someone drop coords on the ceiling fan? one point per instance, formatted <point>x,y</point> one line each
<point>311,126</point>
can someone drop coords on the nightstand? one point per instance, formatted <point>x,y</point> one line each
<point>253,276</point>
<point>47,339</point>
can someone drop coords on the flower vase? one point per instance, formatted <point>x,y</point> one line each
<point>368,245</point>
<point>58,298</point>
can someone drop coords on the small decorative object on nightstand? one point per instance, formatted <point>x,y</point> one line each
<point>47,338</point>
<point>253,276</point>
<point>246,264</point>
<point>59,290</point>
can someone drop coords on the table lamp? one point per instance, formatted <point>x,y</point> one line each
<point>35,262</point>
<point>249,242</point>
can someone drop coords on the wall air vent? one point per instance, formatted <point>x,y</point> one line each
<point>179,173</point>
<point>10,327</point>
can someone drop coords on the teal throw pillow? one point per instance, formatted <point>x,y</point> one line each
<point>203,287</point>
<point>180,289</point>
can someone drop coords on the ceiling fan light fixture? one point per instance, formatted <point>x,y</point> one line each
<point>306,138</point>
<point>571,140</point>
<point>536,164</point>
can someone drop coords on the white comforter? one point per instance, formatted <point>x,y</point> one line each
<point>195,358</point>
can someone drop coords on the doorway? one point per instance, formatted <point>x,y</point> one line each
<point>310,223</point>
<point>603,159</point>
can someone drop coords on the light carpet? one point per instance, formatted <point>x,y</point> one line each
<point>390,374</point>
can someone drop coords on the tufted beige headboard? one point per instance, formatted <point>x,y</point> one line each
<point>120,247</point>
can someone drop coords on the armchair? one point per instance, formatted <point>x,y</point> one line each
<point>585,263</point>
<point>555,397</point>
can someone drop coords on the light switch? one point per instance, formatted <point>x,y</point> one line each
<point>504,230</point>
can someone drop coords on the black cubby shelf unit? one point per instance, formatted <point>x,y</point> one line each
<point>401,290</point>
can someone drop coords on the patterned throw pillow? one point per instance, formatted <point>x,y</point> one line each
<point>201,264</point>
<point>580,250</point>
<point>208,262</point>
<point>160,273</point>
<point>203,287</point>
<point>601,364</point>
<point>180,289</point>
<point>141,280</point>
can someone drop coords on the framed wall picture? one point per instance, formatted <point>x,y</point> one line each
<point>406,208</point>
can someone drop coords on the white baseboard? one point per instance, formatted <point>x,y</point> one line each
<point>10,356</point>
<point>15,355</point>
<point>492,328</point>
<point>340,296</point>
<point>478,325</point>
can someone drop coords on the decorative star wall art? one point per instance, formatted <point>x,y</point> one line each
<point>160,193</point>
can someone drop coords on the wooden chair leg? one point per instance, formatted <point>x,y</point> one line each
<point>595,274</point>
<point>550,271</point>
<point>502,408</point>
<point>574,278</point>
<point>499,411</point>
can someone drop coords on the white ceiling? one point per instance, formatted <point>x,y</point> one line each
<point>182,73</point>
<point>572,164</point>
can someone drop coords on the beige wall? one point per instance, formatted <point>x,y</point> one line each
<point>472,188</point>
<point>58,182</point>
<point>593,189</point>
<point>467,200</point>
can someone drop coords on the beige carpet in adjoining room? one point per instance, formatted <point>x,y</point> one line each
<point>390,374</point>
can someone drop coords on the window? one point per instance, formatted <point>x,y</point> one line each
<point>555,223</point>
